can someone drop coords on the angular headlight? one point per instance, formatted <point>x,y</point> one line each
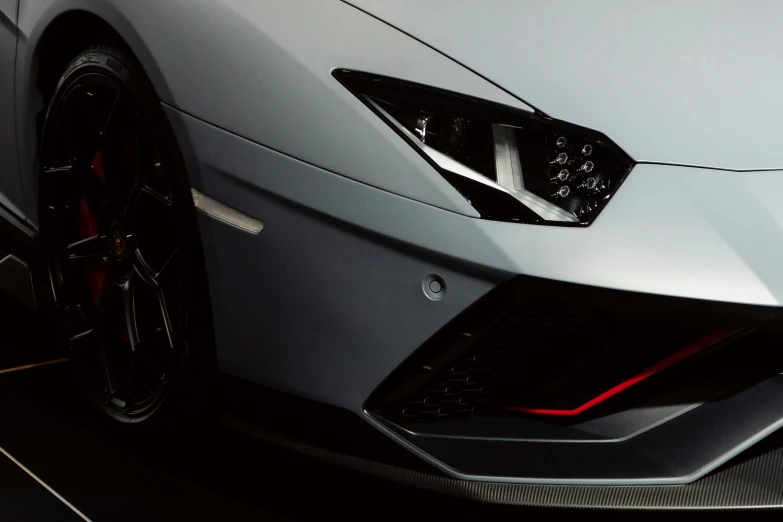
<point>511,165</point>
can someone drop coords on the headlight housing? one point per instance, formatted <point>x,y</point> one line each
<point>511,165</point>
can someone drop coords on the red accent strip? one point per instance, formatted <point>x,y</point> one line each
<point>686,352</point>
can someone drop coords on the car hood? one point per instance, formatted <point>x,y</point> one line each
<point>691,83</point>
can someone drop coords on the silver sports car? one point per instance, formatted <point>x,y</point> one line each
<point>518,251</point>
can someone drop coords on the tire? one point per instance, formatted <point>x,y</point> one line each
<point>125,258</point>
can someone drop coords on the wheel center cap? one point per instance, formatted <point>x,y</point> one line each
<point>118,243</point>
<point>118,239</point>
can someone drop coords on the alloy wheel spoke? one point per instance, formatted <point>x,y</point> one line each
<point>99,123</point>
<point>147,273</point>
<point>58,170</point>
<point>91,247</point>
<point>166,266</point>
<point>133,197</point>
<point>100,312</point>
<point>143,270</point>
<point>164,312</point>
<point>157,196</point>
<point>129,310</point>
<point>109,387</point>
<point>81,335</point>
<point>83,344</point>
<point>92,188</point>
<point>76,324</point>
<point>56,282</point>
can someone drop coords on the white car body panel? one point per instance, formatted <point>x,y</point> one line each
<point>696,248</point>
<point>691,83</point>
<point>645,240</point>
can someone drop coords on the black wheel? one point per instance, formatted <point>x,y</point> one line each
<point>119,226</point>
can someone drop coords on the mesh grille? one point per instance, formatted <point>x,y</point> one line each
<point>505,360</point>
<point>550,346</point>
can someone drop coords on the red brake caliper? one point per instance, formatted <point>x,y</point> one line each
<point>88,226</point>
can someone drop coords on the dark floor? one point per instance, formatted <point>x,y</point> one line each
<point>188,471</point>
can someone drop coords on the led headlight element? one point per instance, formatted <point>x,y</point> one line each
<point>511,165</point>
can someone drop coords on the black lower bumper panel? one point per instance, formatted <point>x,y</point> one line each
<point>753,481</point>
<point>556,383</point>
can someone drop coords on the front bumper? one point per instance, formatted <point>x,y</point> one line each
<point>327,302</point>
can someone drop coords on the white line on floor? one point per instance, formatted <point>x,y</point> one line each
<point>28,366</point>
<point>44,484</point>
<point>22,466</point>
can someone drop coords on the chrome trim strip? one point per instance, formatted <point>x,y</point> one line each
<point>225,213</point>
<point>507,165</point>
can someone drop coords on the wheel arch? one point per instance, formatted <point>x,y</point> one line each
<point>52,32</point>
